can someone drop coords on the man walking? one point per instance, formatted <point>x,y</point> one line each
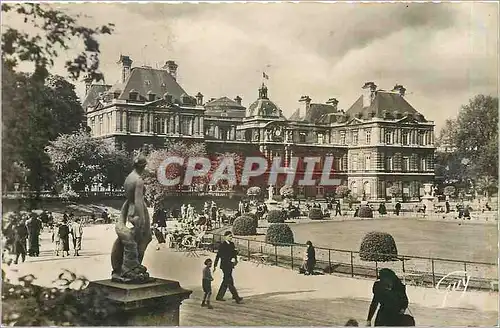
<point>228,259</point>
<point>77,232</point>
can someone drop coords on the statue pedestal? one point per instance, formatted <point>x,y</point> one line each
<point>152,304</point>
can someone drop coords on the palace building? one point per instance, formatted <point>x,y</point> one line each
<point>380,141</point>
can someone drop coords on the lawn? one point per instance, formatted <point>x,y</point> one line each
<point>448,240</point>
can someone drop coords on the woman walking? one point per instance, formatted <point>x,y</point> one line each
<point>63,232</point>
<point>390,293</point>
<point>310,259</point>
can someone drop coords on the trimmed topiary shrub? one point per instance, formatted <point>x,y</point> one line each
<point>365,212</point>
<point>275,216</point>
<point>279,233</point>
<point>315,214</point>
<point>245,226</point>
<point>378,246</point>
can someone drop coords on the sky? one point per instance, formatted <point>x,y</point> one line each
<point>443,54</point>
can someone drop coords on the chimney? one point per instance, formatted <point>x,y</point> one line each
<point>199,99</point>
<point>171,68</point>
<point>399,88</point>
<point>369,93</point>
<point>88,83</point>
<point>238,100</point>
<point>305,103</point>
<point>333,102</point>
<point>263,92</point>
<point>126,66</point>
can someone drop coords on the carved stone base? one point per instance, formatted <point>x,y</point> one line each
<point>155,303</point>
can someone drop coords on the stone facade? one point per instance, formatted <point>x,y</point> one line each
<point>380,141</point>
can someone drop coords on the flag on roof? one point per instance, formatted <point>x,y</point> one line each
<point>265,76</point>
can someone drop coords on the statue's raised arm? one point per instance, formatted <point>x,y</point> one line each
<point>133,229</point>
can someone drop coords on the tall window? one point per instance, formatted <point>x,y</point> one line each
<point>405,137</point>
<point>368,136</point>
<point>342,137</point>
<point>355,137</point>
<point>186,125</point>
<point>333,137</point>
<point>321,138</point>
<point>388,136</point>
<point>354,164</point>
<point>423,164</point>
<point>420,138</point>
<point>134,124</point>
<point>389,163</point>
<point>368,162</point>
<point>160,125</point>
<point>406,164</point>
<point>302,137</point>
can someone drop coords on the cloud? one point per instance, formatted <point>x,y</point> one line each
<point>443,53</point>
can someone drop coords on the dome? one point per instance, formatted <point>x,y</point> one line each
<point>263,106</point>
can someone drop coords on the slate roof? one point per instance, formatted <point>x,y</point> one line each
<point>386,105</point>
<point>147,79</point>
<point>317,111</point>
<point>93,94</point>
<point>224,107</point>
<point>315,114</point>
<point>295,116</point>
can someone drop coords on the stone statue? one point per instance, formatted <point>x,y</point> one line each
<point>270,192</point>
<point>133,229</point>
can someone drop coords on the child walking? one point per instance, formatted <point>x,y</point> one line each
<point>207,283</point>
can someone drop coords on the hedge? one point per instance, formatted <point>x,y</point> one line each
<point>365,212</point>
<point>378,246</point>
<point>315,214</point>
<point>245,226</point>
<point>275,216</point>
<point>279,233</point>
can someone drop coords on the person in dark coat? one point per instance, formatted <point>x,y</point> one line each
<point>447,205</point>
<point>397,208</point>
<point>227,255</point>
<point>382,210</point>
<point>20,236</point>
<point>310,261</point>
<point>338,209</point>
<point>63,232</point>
<point>390,293</point>
<point>34,226</point>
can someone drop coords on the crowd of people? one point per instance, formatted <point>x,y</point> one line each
<point>22,232</point>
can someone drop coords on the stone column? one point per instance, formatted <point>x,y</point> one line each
<point>177,124</point>
<point>216,132</point>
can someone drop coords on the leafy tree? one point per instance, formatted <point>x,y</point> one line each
<point>80,161</point>
<point>342,191</point>
<point>253,191</point>
<point>33,114</point>
<point>486,185</point>
<point>53,31</point>
<point>449,191</point>
<point>476,135</point>
<point>117,164</point>
<point>156,192</point>
<point>216,161</point>
<point>287,191</point>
